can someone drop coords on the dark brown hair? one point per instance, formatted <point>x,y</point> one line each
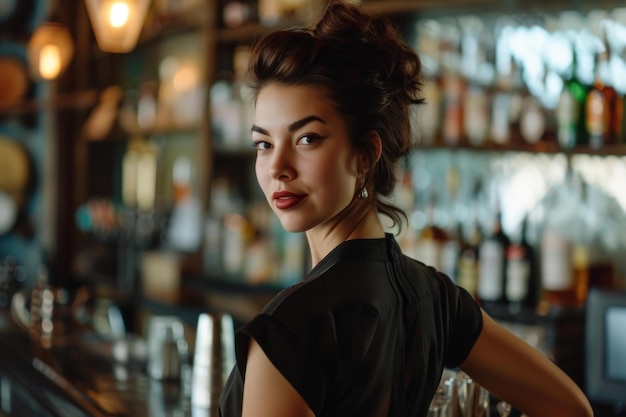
<point>367,71</point>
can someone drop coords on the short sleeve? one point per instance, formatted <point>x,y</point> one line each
<point>288,354</point>
<point>465,326</point>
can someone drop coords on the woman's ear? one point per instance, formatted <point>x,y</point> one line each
<point>372,150</point>
<point>377,145</point>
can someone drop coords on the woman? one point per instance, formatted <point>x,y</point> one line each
<point>369,331</point>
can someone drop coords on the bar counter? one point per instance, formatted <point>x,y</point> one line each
<point>78,376</point>
<point>82,374</point>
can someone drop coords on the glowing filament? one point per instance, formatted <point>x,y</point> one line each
<point>118,15</point>
<point>50,62</point>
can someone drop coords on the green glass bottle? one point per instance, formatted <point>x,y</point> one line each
<point>571,128</point>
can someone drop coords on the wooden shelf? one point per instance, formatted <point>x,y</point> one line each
<point>163,26</point>
<point>75,100</point>
<point>390,7</point>
<point>545,148</point>
<point>250,31</point>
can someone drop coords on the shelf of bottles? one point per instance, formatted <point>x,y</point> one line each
<point>514,189</point>
<point>517,134</point>
<point>543,82</point>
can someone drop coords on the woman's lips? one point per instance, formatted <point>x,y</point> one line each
<point>284,200</point>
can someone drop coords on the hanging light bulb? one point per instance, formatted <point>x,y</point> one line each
<point>117,23</point>
<point>50,62</point>
<point>50,50</point>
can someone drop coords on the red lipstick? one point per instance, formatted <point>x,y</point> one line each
<point>285,200</point>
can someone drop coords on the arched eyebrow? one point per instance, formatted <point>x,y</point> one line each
<point>292,127</point>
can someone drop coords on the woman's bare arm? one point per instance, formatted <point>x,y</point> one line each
<point>266,392</point>
<point>513,370</point>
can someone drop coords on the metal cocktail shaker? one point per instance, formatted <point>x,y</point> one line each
<point>167,347</point>
<point>214,357</point>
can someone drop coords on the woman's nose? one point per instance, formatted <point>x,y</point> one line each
<point>281,166</point>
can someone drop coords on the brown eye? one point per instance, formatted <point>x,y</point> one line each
<point>261,145</point>
<point>309,139</point>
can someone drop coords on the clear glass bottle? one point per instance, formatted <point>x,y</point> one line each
<point>521,275</point>
<point>450,252</point>
<point>467,267</point>
<point>431,237</point>
<point>453,86</point>
<point>468,262</point>
<point>564,253</point>
<point>492,263</point>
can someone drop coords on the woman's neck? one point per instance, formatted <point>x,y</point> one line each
<point>362,223</point>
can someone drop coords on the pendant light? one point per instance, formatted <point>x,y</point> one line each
<point>50,50</point>
<point>117,23</point>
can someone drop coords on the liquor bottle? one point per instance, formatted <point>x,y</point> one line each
<point>570,113</point>
<point>506,106</point>
<point>601,105</point>
<point>581,273</point>
<point>532,121</point>
<point>500,132</point>
<point>521,275</point>
<point>621,123</point>
<point>467,266</point>
<point>431,238</point>
<point>476,98</point>
<point>450,252</point>
<point>615,100</point>
<point>621,119</point>
<point>453,85</point>
<point>452,129</point>
<point>506,100</point>
<point>556,267</point>
<point>429,116</point>
<point>492,264</point>
<point>564,244</point>
<point>476,114</point>
<point>428,128</point>
<point>405,199</point>
<point>452,246</point>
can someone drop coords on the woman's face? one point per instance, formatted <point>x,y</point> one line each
<point>306,165</point>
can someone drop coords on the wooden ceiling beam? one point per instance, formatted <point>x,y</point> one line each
<point>389,7</point>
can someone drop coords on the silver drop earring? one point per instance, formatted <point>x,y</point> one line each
<point>363,191</point>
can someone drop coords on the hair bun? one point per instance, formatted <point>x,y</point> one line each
<point>381,46</point>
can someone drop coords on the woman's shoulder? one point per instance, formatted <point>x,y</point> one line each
<point>364,271</point>
<point>337,286</point>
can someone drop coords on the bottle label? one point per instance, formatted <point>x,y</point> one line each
<point>597,114</point>
<point>500,118</point>
<point>468,273</point>
<point>491,269</point>
<point>556,271</point>
<point>532,121</point>
<point>476,116</point>
<point>453,110</point>
<point>430,115</point>
<point>567,114</point>
<point>449,257</point>
<point>518,274</point>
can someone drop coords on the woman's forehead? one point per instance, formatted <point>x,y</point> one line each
<point>275,101</point>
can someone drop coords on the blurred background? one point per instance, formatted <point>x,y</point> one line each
<point>127,181</point>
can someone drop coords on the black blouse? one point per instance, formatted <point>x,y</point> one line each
<point>367,333</point>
